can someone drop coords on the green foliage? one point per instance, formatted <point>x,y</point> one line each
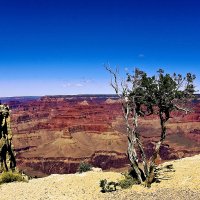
<point>7,177</point>
<point>84,167</point>
<point>163,91</point>
<point>108,186</point>
<point>128,181</point>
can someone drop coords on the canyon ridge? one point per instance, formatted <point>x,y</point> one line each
<point>53,134</point>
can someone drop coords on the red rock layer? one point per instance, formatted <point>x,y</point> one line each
<point>55,134</point>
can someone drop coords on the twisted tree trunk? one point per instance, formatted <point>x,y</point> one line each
<point>156,152</point>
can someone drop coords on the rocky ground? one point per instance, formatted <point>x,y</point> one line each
<point>182,184</point>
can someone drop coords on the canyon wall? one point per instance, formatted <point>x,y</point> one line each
<point>53,134</point>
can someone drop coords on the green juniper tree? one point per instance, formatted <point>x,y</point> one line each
<point>144,95</point>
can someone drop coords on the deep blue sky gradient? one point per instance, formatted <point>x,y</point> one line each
<point>60,46</point>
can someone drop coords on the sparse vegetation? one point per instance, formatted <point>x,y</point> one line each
<point>84,167</point>
<point>108,186</point>
<point>128,181</point>
<point>8,177</point>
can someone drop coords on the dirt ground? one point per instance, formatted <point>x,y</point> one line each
<point>182,184</point>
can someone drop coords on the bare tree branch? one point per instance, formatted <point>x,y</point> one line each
<point>182,109</point>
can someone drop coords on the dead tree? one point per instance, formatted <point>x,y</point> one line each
<point>130,113</point>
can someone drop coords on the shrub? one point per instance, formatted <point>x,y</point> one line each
<point>128,181</point>
<point>84,167</point>
<point>108,186</point>
<point>7,177</point>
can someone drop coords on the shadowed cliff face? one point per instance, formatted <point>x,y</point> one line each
<point>55,134</point>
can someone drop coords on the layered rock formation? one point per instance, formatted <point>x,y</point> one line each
<point>53,134</point>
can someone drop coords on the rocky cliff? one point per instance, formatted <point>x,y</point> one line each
<point>53,134</point>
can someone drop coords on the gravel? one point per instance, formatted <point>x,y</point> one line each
<point>183,184</point>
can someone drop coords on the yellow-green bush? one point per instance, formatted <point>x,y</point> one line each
<point>7,177</point>
<point>128,181</point>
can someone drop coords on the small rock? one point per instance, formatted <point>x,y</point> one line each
<point>96,169</point>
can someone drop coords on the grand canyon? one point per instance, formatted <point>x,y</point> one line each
<point>53,134</point>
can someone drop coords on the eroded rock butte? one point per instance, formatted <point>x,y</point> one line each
<point>53,134</point>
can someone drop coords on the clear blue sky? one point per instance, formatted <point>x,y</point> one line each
<point>50,47</point>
